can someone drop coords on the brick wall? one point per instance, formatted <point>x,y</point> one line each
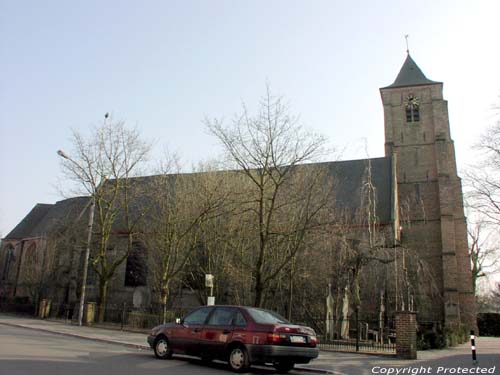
<point>406,335</point>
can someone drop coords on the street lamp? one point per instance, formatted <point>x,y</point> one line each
<point>89,238</point>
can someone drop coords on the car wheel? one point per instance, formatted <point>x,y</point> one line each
<point>284,366</point>
<point>238,358</point>
<point>162,348</point>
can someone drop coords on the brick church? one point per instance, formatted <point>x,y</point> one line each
<point>419,200</point>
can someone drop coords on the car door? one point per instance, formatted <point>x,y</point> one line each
<point>188,333</point>
<point>216,332</point>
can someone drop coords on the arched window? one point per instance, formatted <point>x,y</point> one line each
<point>412,108</point>
<point>31,255</point>
<point>9,259</point>
<point>32,266</point>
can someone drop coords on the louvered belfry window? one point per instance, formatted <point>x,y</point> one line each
<point>412,108</point>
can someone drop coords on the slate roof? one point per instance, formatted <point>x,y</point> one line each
<point>65,211</point>
<point>348,178</point>
<point>25,227</point>
<point>45,217</point>
<point>410,75</point>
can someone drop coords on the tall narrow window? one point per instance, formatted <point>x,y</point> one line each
<point>135,271</point>
<point>412,108</point>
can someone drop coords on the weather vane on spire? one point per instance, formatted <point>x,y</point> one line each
<point>407,48</point>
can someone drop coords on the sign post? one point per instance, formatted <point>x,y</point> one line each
<point>209,283</point>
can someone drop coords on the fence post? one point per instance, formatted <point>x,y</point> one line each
<point>123,314</point>
<point>357,328</point>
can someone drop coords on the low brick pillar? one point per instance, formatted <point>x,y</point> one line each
<point>41,308</point>
<point>89,313</point>
<point>406,335</point>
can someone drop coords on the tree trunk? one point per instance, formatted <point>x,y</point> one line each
<point>259,293</point>
<point>103,297</point>
<point>164,300</point>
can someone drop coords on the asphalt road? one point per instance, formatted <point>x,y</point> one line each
<point>24,351</point>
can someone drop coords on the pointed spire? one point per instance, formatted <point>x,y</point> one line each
<point>410,75</point>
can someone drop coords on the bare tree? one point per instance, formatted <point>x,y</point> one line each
<point>182,203</point>
<point>266,148</point>
<point>483,252</point>
<point>483,178</point>
<point>483,202</point>
<point>223,251</point>
<point>489,302</point>
<point>103,165</point>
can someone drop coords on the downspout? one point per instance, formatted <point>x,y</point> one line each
<point>396,225</point>
<point>395,200</point>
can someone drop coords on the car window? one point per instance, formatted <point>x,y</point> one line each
<point>197,316</point>
<point>222,316</point>
<point>239,320</point>
<point>265,316</point>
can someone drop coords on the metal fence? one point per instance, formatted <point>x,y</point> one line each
<point>334,334</point>
<point>365,346</point>
<point>372,336</point>
<point>117,316</point>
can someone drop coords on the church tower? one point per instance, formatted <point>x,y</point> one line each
<point>417,134</point>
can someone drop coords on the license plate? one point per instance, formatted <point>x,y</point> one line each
<point>298,339</point>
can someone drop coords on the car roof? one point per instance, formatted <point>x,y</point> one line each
<point>235,306</point>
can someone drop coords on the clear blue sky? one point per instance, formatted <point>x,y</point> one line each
<point>165,65</point>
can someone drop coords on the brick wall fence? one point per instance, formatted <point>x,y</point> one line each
<point>406,335</point>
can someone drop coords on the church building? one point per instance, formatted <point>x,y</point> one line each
<point>419,199</point>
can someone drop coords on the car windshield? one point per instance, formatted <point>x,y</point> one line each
<point>265,316</point>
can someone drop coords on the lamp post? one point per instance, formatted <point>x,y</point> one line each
<point>89,239</point>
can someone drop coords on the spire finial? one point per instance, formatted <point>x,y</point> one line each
<point>407,48</point>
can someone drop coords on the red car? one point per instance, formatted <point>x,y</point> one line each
<point>240,335</point>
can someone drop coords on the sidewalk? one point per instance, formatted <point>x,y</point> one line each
<point>131,339</point>
<point>327,362</point>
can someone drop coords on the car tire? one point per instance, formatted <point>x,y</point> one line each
<point>238,358</point>
<point>162,348</point>
<point>284,366</point>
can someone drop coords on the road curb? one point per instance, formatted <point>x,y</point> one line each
<point>375,354</point>
<point>318,371</point>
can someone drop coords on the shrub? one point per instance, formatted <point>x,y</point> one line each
<point>488,324</point>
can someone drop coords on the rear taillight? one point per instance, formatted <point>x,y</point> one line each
<point>275,338</point>
<point>313,339</point>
